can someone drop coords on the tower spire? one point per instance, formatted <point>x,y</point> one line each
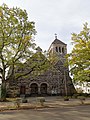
<point>55,36</point>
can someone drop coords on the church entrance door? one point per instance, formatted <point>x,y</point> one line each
<point>43,88</point>
<point>22,90</point>
<point>34,89</point>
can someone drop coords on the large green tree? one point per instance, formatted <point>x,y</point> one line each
<point>79,58</point>
<point>37,64</point>
<point>16,42</point>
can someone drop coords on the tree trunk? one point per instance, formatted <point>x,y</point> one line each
<point>3,87</point>
<point>3,91</point>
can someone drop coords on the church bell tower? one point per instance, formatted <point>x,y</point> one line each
<point>58,47</point>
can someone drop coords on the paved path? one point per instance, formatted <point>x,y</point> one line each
<point>60,113</point>
<point>55,101</point>
<point>60,110</point>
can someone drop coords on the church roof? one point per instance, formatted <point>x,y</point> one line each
<point>57,41</point>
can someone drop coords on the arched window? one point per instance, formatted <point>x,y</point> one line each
<point>34,88</point>
<point>62,81</point>
<point>56,49</point>
<point>60,49</point>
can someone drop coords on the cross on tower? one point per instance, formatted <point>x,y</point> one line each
<point>55,36</point>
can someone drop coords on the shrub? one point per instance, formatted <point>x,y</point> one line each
<point>41,100</point>
<point>17,103</point>
<point>82,99</point>
<point>75,96</point>
<point>66,98</point>
<point>24,100</point>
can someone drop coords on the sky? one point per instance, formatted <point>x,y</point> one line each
<point>62,17</point>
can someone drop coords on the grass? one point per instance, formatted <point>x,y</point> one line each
<point>12,99</point>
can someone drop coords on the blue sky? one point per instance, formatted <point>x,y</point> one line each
<point>54,16</point>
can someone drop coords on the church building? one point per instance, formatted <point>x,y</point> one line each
<point>51,82</point>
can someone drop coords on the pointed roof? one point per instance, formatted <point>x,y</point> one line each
<point>57,41</point>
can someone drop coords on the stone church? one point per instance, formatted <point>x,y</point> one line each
<point>51,82</point>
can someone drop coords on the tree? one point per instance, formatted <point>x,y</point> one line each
<point>16,42</point>
<point>79,58</point>
<point>37,64</point>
